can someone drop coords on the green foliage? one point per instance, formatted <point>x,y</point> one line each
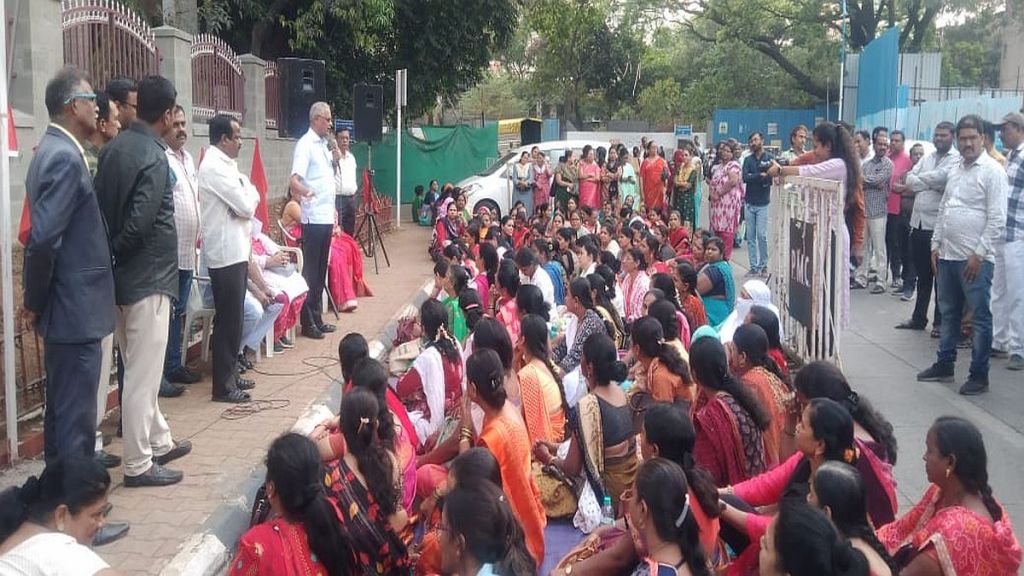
<point>971,50</point>
<point>661,103</point>
<point>494,98</point>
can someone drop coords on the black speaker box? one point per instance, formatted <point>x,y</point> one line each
<point>368,112</point>
<point>301,82</point>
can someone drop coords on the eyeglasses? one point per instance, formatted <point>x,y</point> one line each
<point>80,96</point>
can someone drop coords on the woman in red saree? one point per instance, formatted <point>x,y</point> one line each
<point>958,527</point>
<point>305,537</point>
<point>729,420</point>
<point>678,235</point>
<point>686,287</point>
<point>653,176</point>
<point>750,362</point>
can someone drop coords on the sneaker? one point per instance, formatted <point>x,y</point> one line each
<point>752,273</point>
<point>997,353</point>
<point>908,295</point>
<point>878,289</point>
<point>286,342</point>
<point>936,373</point>
<point>278,347</point>
<point>911,325</point>
<point>857,285</point>
<point>897,287</point>
<point>975,385</point>
<point>1016,363</point>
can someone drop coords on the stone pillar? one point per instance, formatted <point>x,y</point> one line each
<point>175,48</point>
<point>37,31</point>
<point>255,97</point>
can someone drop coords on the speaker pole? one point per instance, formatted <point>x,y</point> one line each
<point>400,94</point>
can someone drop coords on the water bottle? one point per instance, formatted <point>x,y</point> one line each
<point>607,512</point>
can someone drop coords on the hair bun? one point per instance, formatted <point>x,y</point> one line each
<point>621,371</point>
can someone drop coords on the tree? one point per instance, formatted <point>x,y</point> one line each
<point>661,103</point>
<point>971,50</point>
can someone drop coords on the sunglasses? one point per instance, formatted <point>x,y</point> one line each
<point>80,96</point>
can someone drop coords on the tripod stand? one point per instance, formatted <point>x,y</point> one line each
<point>371,208</point>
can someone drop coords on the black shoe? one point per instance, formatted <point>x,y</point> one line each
<point>168,390</point>
<point>183,375</point>
<point>936,373</point>
<point>997,353</point>
<point>278,347</point>
<point>911,325</point>
<point>286,342</point>
<point>246,384</point>
<point>975,385</point>
<point>312,332</point>
<point>234,397</point>
<point>157,475</point>
<point>110,532</point>
<point>108,460</point>
<point>327,328</point>
<point>181,448</point>
<point>244,362</point>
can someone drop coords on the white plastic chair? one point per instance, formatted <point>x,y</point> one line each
<point>197,310</point>
<point>269,340</point>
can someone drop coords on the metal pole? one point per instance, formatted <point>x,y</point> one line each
<point>398,169</point>
<point>6,258</point>
<point>842,60</point>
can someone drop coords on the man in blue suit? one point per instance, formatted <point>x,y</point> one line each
<point>69,285</point>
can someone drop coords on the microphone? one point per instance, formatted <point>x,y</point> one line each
<point>332,146</point>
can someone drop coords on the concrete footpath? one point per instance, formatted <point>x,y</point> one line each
<point>192,527</point>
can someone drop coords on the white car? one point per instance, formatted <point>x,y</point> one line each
<point>492,187</point>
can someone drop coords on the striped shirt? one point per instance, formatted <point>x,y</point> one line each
<point>186,206</point>
<point>1015,202</point>
<point>877,174</point>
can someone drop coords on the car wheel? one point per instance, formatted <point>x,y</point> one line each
<point>490,205</point>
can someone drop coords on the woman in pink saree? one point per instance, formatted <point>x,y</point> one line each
<point>345,266</point>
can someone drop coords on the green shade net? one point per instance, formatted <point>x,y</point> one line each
<point>448,154</point>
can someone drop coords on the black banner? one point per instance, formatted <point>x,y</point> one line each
<point>801,272</point>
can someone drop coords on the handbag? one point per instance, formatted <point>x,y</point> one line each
<point>557,492</point>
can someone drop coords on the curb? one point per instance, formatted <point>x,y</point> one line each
<point>206,552</point>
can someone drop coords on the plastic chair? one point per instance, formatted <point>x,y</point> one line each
<point>197,310</point>
<point>269,340</point>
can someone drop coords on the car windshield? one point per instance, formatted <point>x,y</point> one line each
<point>499,165</point>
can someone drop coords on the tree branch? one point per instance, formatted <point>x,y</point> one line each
<point>807,83</point>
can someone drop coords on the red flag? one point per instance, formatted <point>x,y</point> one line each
<point>258,177</point>
<point>12,134</point>
<point>202,152</point>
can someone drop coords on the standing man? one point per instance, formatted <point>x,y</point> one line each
<point>862,142</point>
<point>136,193</point>
<point>69,287</point>
<point>186,222</point>
<point>125,92</point>
<point>971,222</point>
<point>228,202</point>
<point>877,174</point>
<point>312,180</point>
<point>897,225</point>
<point>1008,284</point>
<point>759,187</point>
<point>346,182</point>
<point>797,141</point>
<point>925,184</point>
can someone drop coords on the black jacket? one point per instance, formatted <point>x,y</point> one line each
<point>67,274</point>
<point>135,187</point>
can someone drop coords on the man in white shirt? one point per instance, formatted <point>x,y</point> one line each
<point>186,222</point>
<point>971,221</point>
<point>531,272</point>
<point>346,184</point>
<point>312,180</point>
<point>1008,281</point>
<point>228,201</point>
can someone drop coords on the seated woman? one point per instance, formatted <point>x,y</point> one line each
<point>753,293</point>
<point>345,265</point>
<point>559,277</point>
<point>452,279</point>
<point>729,420</point>
<point>504,298</point>
<point>48,524</point>
<point>530,300</point>
<point>802,542</point>
<point>431,390</point>
<point>838,490</point>
<point>749,361</point>
<point>667,433</point>
<point>661,514</point>
<point>275,270</point>
<point>667,315</point>
<point>666,374</point>
<point>448,228</point>
<point>635,283</point>
<point>366,486</point>
<point>305,536</point>
<point>769,322</point>
<point>664,282</point>
<point>544,405</point>
<point>655,254</point>
<point>505,436</point>
<point>487,264</point>
<point>689,300</point>
<point>603,294</point>
<point>481,535</point>
<point>678,235</point>
<point>824,434</point>
<point>716,285</point>
<point>873,435</point>
<point>469,468</point>
<point>602,443</point>
<point>958,527</point>
<point>567,348</point>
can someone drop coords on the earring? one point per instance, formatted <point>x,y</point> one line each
<point>948,471</point>
<point>60,526</point>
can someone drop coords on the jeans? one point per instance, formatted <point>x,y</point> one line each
<point>954,291</point>
<point>172,359</point>
<point>757,236</point>
<point>346,206</point>
<point>257,321</point>
<point>921,252</point>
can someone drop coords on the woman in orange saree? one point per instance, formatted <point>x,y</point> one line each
<point>750,361</point>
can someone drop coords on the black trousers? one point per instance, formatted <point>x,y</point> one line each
<point>228,284</point>
<point>897,247</point>
<point>316,246</point>
<point>921,253</point>
<point>72,373</point>
<point>346,206</point>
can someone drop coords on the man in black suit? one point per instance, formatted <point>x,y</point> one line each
<point>69,287</point>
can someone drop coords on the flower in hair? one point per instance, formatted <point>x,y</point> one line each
<point>848,455</point>
<point>686,509</point>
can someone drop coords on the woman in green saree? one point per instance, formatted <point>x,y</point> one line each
<point>715,284</point>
